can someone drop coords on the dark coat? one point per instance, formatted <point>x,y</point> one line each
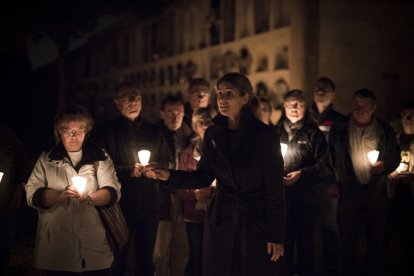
<point>122,139</point>
<point>248,208</point>
<point>341,159</point>
<point>308,152</point>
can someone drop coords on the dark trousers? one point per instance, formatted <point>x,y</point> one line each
<point>7,232</point>
<point>329,227</point>
<point>195,242</point>
<point>356,208</point>
<point>143,232</point>
<point>300,229</point>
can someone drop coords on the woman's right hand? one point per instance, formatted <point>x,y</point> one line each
<point>156,173</point>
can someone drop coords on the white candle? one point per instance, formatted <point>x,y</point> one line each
<point>283,148</point>
<point>80,183</point>
<point>1,175</point>
<point>144,156</point>
<point>373,156</point>
<point>402,168</point>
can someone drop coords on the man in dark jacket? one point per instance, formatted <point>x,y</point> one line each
<point>140,199</point>
<point>198,96</point>
<point>362,184</point>
<point>171,246</point>
<point>306,161</point>
<point>323,111</point>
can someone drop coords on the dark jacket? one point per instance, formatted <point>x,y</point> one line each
<point>122,139</point>
<point>308,152</point>
<point>341,159</point>
<point>326,119</point>
<point>176,141</point>
<point>248,208</point>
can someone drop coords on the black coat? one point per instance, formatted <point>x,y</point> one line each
<point>308,152</point>
<point>122,139</point>
<point>248,208</point>
<point>341,158</point>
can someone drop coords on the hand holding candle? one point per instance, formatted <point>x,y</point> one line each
<point>144,156</point>
<point>80,183</point>
<point>373,156</point>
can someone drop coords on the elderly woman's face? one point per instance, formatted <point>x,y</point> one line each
<point>73,135</point>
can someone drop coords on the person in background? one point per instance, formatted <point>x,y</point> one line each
<point>14,170</point>
<point>195,201</point>
<point>244,228</point>
<point>323,111</point>
<point>265,111</point>
<point>400,225</point>
<point>306,162</point>
<point>122,138</point>
<point>362,184</point>
<point>198,96</point>
<point>70,235</point>
<point>171,246</point>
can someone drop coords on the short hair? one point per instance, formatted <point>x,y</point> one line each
<point>203,111</point>
<point>324,82</point>
<point>366,94</point>
<point>71,113</point>
<point>171,99</point>
<point>295,93</point>
<point>126,88</point>
<point>199,82</point>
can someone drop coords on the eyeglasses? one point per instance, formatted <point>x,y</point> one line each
<point>72,132</point>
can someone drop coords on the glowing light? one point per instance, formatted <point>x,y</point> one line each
<point>80,183</point>
<point>402,168</point>
<point>144,156</point>
<point>1,175</point>
<point>283,148</point>
<point>373,156</point>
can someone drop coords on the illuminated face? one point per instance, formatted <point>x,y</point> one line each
<point>129,106</point>
<point>407,120</point>
<point>199,96</point>
<point>229,100</point>
<point>294,109</point>
<point>173,115</point>
<point>362,110</point>
<point>323,96</point>
<point>200,124</point>
<point>73,135</point>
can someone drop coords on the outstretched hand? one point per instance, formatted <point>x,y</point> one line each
<point>276,249</point>
<point>152,172</point>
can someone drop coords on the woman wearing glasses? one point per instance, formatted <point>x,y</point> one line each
<point>70,236</point>
<point>244,227</point>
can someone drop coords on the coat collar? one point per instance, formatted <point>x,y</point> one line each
<point>90,153</point>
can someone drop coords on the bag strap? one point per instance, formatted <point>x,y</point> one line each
<point>95,166</point>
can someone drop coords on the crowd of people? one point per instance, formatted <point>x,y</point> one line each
<point>225,191</point>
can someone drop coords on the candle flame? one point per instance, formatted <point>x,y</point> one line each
<point>283,148</point>
<point>80,183</point>
<point>144,156</point>
<point>373,156</point>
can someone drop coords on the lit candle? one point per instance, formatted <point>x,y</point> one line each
<point>373,156</point>
<point>80,183</point>
<point>144,156</point>
<point>283,148</point>
<point>1,175</point>
<point>402,168</point>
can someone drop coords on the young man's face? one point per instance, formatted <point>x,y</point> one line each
<point>323,95</point>
<point>129,105</point>
<point>173,115</point>
<point>294,109</point>
<point>407,121</point>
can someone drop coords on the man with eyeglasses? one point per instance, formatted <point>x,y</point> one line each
<point>171,246</point>
<point>198,96</point>
<point>323,111</point>
<point>122,139</point>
